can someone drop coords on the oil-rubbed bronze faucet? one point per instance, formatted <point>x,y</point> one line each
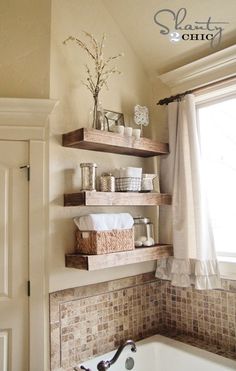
<point>104,365</point>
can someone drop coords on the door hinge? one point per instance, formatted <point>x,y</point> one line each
<point>28,288</point>
<point>28,171</point>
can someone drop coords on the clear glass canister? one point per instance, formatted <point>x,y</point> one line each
<point>143,232</point>
<point>88,175</point>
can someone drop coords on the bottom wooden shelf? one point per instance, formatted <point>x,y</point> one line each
<point>139,255</point>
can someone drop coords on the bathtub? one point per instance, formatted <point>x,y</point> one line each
<point>160,353</point>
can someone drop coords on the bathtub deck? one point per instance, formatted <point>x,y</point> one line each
<point>213,348</point>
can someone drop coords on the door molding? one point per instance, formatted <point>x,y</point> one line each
<point>4,240</point>
<point>27,120</point>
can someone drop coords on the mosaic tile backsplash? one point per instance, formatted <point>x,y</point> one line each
<point>95,319</point>
<point>207,315</point>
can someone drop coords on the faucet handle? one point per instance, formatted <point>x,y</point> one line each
<point>81,368</point>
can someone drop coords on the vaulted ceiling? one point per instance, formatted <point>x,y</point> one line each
<point>138,20</point>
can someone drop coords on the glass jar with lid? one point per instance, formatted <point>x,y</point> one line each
<point>88,175</point>
<point>143,232</point>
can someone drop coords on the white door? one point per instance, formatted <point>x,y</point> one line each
<point>14,301</point>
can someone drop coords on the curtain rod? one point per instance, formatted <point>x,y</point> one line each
<point>179,96</point>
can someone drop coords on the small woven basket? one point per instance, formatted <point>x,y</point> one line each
<point>128,184</point>
<point>104,242</point>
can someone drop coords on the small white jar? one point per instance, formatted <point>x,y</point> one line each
<point>119,129</point>
<point>136,133</point>
<point>128,131</point>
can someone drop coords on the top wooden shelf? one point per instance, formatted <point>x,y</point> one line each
<point>105,141</point>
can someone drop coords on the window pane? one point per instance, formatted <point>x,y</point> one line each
<point>217,124</point>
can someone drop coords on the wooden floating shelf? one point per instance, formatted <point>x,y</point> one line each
<point>116,199</point>
<point>139,255</point>
<point>105,141</point>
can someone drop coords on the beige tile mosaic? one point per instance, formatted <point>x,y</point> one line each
<point>91,320</point>
<point>206,315</point>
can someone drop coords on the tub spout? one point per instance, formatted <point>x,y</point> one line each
<point>104,365</point>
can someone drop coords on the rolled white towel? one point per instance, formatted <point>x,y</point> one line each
<point>129,172</point>
<point>134,172</point>
<point>104,222</point>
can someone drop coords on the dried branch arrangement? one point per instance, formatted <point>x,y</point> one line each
<point>98,77</point>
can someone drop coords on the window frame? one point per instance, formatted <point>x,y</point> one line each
<point>204,98</point>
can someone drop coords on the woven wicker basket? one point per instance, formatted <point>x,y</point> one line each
<point>104,242</point>
<point>128,184</point>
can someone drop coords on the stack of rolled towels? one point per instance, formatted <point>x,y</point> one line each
<point>128,172</point>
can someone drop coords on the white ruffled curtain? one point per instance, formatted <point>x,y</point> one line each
<point>188,222</point>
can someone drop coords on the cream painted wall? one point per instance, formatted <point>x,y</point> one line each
<point>25,48</point>
<point>70,17</point>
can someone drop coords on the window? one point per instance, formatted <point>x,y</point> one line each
<point>217,129</point>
